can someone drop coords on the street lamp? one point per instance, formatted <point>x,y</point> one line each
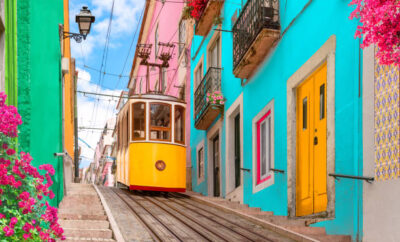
<point>84,20</point>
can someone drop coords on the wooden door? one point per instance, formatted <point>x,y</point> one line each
<point>311,173</point>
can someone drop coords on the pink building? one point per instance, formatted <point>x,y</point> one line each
<point>164,33</point>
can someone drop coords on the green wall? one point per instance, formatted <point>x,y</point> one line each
<point>10,12</point>
<point>39,84</point>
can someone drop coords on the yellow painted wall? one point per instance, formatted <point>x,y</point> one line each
<point>68,89</point>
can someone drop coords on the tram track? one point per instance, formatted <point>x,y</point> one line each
<point>172,217</point>
<point>230,231</point>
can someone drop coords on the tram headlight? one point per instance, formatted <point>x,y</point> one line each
<point>160,165</point>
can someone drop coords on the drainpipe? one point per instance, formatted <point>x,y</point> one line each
<point>76,152</point>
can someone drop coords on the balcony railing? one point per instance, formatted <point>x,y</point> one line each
<point>258,23</point>
<point>204,114</point>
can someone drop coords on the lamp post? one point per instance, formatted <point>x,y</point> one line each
<point>84,20</point>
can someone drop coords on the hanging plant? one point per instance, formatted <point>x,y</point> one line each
<point>198,7</point>
<point>186,12</point>
<point>380,26</point>
<point>24,213</point>
<point>218,20</point>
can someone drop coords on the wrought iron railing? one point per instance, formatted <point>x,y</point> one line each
<point>256,15</point>
<point>209,84</point>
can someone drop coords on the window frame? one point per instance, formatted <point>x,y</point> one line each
<point>182,34</point>
<point>201,178</point>
<point>199,68</point>
<point>183,124</point>
<point>133,122</point>
<point>215,42</point>
<point>169,128</point>
<point>263,177</point>
<point>261,181</point>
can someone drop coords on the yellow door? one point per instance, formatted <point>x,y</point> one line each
<point>311,175</point>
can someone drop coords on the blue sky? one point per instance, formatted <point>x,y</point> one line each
<point>93,112</point>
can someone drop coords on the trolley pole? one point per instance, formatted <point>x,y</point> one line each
<point>76,152</point>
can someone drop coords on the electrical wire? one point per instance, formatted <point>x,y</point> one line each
<point>130,47</point>
<point>103,61</point>
<point>104,72</point>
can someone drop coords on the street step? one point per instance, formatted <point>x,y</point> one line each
<point>267,218</point>
<point>76,239</point>
<point>85,224</point>
<point>82,215</point>
<point>332,238</point>
<point>88,211</point>
<point>91,233</point>
<point>307,230</point>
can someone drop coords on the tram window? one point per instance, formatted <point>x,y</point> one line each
<point>179,124</point>
<point>160,121</point>
<point>138,122</point>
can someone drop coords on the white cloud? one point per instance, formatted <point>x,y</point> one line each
<point>125,19</point>
<point>93,111</point>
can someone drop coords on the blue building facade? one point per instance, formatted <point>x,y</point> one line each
<point>291,117</point>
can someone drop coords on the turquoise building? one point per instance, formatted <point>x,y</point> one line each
<point>289,126</point>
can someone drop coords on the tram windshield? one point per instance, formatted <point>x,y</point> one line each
<point>138,124</point>
<point>160,121</point>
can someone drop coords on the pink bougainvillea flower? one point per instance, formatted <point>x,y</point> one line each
<point>22,184</point>
<point>10,151</point>
<point>8,231</point>
<point>27,236</point>
<point>379,26</point>
<point>13,222</point>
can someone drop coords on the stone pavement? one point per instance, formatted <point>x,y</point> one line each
<point>81,215</point>
<point>131,229</point>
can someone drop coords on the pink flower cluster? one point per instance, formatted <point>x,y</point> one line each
<point>380,26</point>
<point>23,185</point>
<point>215,98</point>
<point>9,118</point>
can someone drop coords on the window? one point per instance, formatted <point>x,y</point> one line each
<point>156,43</point>
<point>263,148</point>
<point>139,121</point>
<point>214,54</point>
<point>198,75</point>
<point>127,127</point>
<point>200,163</point>
<point>160,121</point>
<point>322,102</point>
<point>182,36</point>
<point>180,124</point>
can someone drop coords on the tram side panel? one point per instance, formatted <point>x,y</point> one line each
<point>143,171</point>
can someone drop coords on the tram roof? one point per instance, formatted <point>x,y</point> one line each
<point>160,97</point>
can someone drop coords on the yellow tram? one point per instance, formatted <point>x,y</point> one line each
<point>151,151</point>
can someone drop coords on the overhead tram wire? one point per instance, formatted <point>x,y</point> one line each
<point>130,47</point>
<point>104,72</point>
<point>103,61</point>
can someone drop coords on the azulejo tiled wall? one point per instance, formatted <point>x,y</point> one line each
<point>387,122</point>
